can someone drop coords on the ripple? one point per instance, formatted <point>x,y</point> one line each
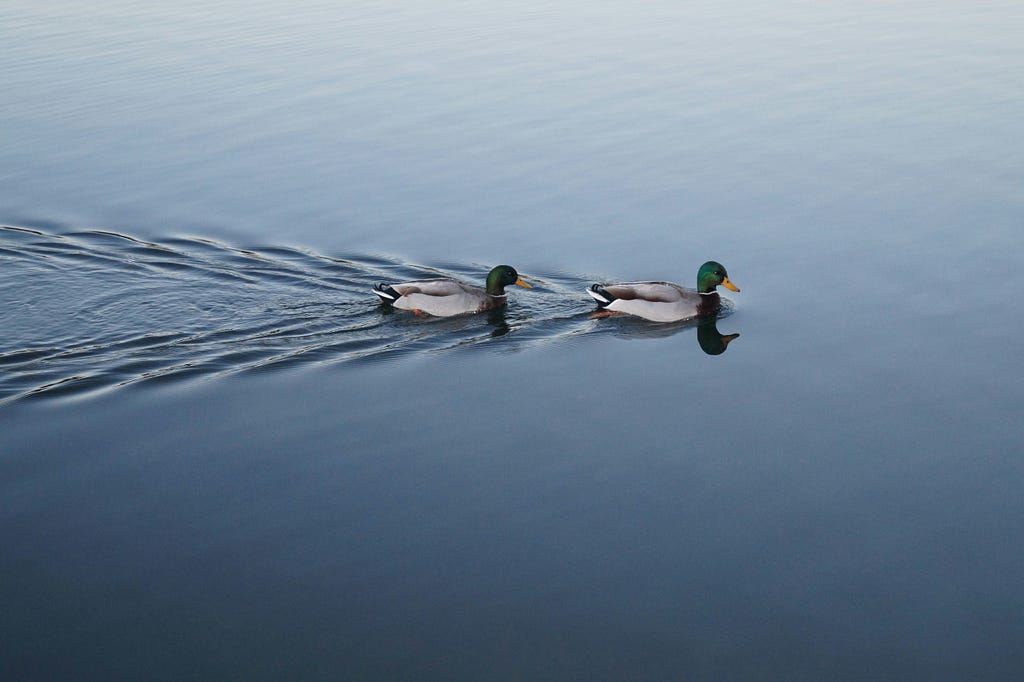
<point>92,310</point>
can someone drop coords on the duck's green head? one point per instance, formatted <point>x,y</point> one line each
<point>502,276</point>
<point>710,275</point>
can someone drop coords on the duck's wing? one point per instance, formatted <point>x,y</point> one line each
<point>441,286</point>
<point>652,292</point>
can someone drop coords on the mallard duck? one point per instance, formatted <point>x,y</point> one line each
<point>445,297</point>
<point>665,301</point>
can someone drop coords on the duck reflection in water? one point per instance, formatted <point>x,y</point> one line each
<point>711,341</point>
<point>496,319</point>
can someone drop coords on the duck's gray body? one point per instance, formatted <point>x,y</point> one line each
<point>655,301</point>
<point>442,297</point>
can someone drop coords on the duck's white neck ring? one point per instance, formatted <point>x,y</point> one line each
<point>708,293</point>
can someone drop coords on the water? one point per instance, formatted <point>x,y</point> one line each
<point>220,458</point>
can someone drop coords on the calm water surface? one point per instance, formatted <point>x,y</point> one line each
<point>220,459</point>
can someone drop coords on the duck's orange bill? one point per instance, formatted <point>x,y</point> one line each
<point>521,283</point>
<point>729,285</point>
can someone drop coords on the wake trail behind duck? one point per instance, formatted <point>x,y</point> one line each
<point>88,311</point>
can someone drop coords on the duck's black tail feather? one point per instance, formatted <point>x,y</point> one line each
<point>386,292</point>
<point>601,295</point>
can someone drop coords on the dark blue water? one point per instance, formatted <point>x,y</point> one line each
<point>220,458</point>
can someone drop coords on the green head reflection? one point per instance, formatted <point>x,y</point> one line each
<point>712,341</point>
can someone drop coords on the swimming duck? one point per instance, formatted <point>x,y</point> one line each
<point>445,297</point>
<point>665,301</point>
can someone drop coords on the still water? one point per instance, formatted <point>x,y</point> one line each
<point>221,459</point>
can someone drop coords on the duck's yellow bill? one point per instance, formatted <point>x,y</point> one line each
<point>727,338</point>
<point>729,285</point>
<point>521,283</point>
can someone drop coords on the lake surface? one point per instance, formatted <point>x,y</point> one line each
<point>221,459</point>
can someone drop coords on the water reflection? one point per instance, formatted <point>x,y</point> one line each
<point>497,320</point>
<point>709,338</point>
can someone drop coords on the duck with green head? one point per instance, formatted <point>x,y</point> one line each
<point>665,301</point>
<point>444,297</point>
